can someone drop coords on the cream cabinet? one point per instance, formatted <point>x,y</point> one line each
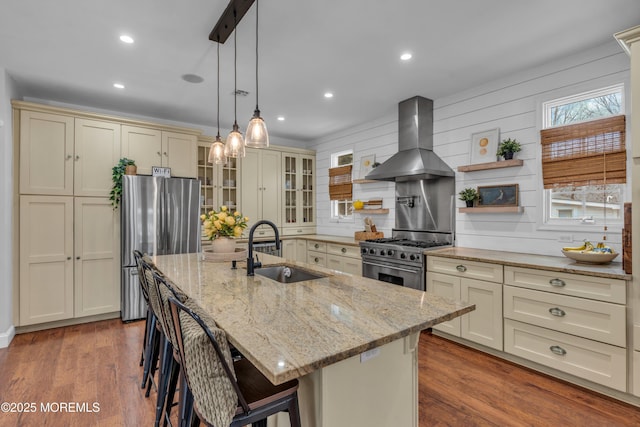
<point>298,193</point>
<point>457,279</point>
<point>316,253</point>
<point>60,155</point>
<point>150,147</point>
<point>261,196</point>
<point>220,184</point>
<point>69,258</point>
<point>288,249</point>
<point>96,257</point>
<point>345,258</point>
<point>46,259</point>
<point>570,322</point>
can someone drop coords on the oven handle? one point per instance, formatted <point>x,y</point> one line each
<point>394,267</point>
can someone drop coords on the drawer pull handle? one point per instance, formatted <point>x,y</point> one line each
<point>555,311</point>
<point>461,268</point>
<point>559,283</point>
<point>556,349</point>
<point>343,250</point>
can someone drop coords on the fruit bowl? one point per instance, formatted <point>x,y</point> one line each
<point>590,257</point>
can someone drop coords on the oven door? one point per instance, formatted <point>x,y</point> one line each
<point>398,274</point>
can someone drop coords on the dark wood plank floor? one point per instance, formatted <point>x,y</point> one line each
<point>98,362</point>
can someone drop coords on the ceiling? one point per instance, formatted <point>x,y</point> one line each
<point>69,51</point>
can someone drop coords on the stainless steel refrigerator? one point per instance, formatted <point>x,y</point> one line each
<point>159,216</point>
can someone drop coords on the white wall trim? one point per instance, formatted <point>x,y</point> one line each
<point>7,336</point>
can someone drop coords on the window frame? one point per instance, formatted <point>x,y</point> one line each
<point>577,224</point>
<point>334,204</point>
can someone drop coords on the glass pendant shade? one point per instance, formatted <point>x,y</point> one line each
<point>216,152</point>
<point>257,136</point>
<point>234,147</point>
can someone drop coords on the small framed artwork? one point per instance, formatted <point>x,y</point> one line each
<point>484,146</point>
<point>498,195</point>
<point>366,165</point>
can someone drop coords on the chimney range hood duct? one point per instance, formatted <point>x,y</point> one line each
<point>415,159</point>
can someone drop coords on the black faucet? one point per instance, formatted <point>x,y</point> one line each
<point>250,264</point>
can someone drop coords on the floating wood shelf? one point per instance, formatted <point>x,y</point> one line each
<point>493,165</point>
<point>364,181</point>
<point>372,211</point>
<point>493,209</point>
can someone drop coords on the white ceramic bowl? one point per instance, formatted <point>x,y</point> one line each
<point>590,257</point>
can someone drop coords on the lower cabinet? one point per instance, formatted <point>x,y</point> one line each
<point>344,258</point>
<point>484,324</point>
<point>294,249</point>
<point>69,258</point>
<point>316,253</point>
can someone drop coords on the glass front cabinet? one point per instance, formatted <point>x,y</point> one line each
<point>219,183</point>
<point>299,197</point>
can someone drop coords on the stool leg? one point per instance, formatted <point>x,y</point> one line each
<point>294,411</point>
<point>171,390</point>
<point>146,337</point>
<point>163,378</point>
<point>149,346</point>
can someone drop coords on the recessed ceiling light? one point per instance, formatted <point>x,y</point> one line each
<point>127,39</point>
<point>280,118</point>
<point>118,85</point>
<point>406,56</point>
<point>192,78</point>
<point>328,95</point>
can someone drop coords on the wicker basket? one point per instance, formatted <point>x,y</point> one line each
<point>365,235</point>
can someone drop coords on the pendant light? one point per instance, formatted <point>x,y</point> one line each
<point>257,135</point>
<point>216,152</point>
<point>234,147</point>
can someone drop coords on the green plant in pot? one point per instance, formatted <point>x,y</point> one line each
<point>469,196</point>
<point>507,147</point>
<point>116,176</point>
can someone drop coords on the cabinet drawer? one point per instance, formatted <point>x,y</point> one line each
<point>597,362</point>
<point>297,231</point>
<point>343,250</point>
<point>598,288</point>
<point>317,258</point>
<point>313,245</point>
<point>463,268</point>
<point>590,319</point>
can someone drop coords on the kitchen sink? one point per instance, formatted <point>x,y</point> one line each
<point>288,273</point>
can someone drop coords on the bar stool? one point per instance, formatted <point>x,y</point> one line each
<point>225,393</point>
<point>150,331</point>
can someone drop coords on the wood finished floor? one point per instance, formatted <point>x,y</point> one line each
<point>98,362</point>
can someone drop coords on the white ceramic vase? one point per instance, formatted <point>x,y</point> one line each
<point>223,245</point>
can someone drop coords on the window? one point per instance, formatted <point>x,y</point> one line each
<point>584,157</point>
<point>341,207</point>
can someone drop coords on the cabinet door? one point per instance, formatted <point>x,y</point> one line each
<point>96,251</point>
<point>334,262</point>
<point>306,186</point>
<point>207,177</point>
<point>180,153</point>
<point>46,266</point>
<point>352,266</point>
<point>449,287</point>
<point>97,150</point>
<point>484,324</point>
<point>143,145</point>
<point>271,197</point>
<point>317,258</point>
<point>301,250</point>
<point>290,166</point>
<point>289,249</point>
<point>251,201</point>
<point>46,153</point>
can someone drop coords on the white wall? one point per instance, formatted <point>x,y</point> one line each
<point>511,104</point>
<point>7,91</point>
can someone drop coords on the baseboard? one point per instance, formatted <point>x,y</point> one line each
<point>6,337</point>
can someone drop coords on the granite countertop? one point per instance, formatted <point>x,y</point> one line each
<point>541,262</point>
<point>343,240</point>
<point>290,330</point>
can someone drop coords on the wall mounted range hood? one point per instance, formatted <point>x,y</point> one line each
<point>415,159</point>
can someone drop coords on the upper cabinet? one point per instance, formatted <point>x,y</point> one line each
<point>261,188</point>
<point>219,183</point>
<point>298,193</point>
<point>63,155</point>
<point>154,147</point>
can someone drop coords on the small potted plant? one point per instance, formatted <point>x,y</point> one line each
<point>123,167</point>
<point>469,196</point>
<point>507,147</point>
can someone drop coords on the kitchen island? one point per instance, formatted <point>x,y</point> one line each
<point>351,341</point>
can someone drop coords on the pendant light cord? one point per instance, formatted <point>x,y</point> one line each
<point>256,54</point>
<point>235,69</point>
<point>218,87</point>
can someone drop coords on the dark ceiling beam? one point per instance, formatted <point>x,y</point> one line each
<point>227,22</point>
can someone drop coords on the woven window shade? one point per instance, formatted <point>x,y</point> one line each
<point>340,186</point>
<point>591,153</point>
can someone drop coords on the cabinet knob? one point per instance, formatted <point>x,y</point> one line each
<point>77,257</point>
<point>159,154</point>
<point>69,156</point>
<point>165,153</point>
<point>558,312</point>
<point>68,258</point>
<point>461,268</point>
<point>77,157</point>
<point>316,259</point>
<point>343,250</point>
<point>558,283</point>
<point>316,246</point>
<point>556,349</point>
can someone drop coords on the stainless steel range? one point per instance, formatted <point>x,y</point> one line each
<point>425,202</point>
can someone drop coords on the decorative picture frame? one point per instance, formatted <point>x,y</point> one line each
<point>498,195</point>
<point>366,165</point>
<point>484,146</point>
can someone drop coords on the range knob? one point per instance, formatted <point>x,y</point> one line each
<point>372,251</point>
<point>389,252</point>
<point>363,250</point>
<point>403,255</point>
<point>412,257</point>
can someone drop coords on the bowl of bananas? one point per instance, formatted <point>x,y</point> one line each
<point>590,254</point>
